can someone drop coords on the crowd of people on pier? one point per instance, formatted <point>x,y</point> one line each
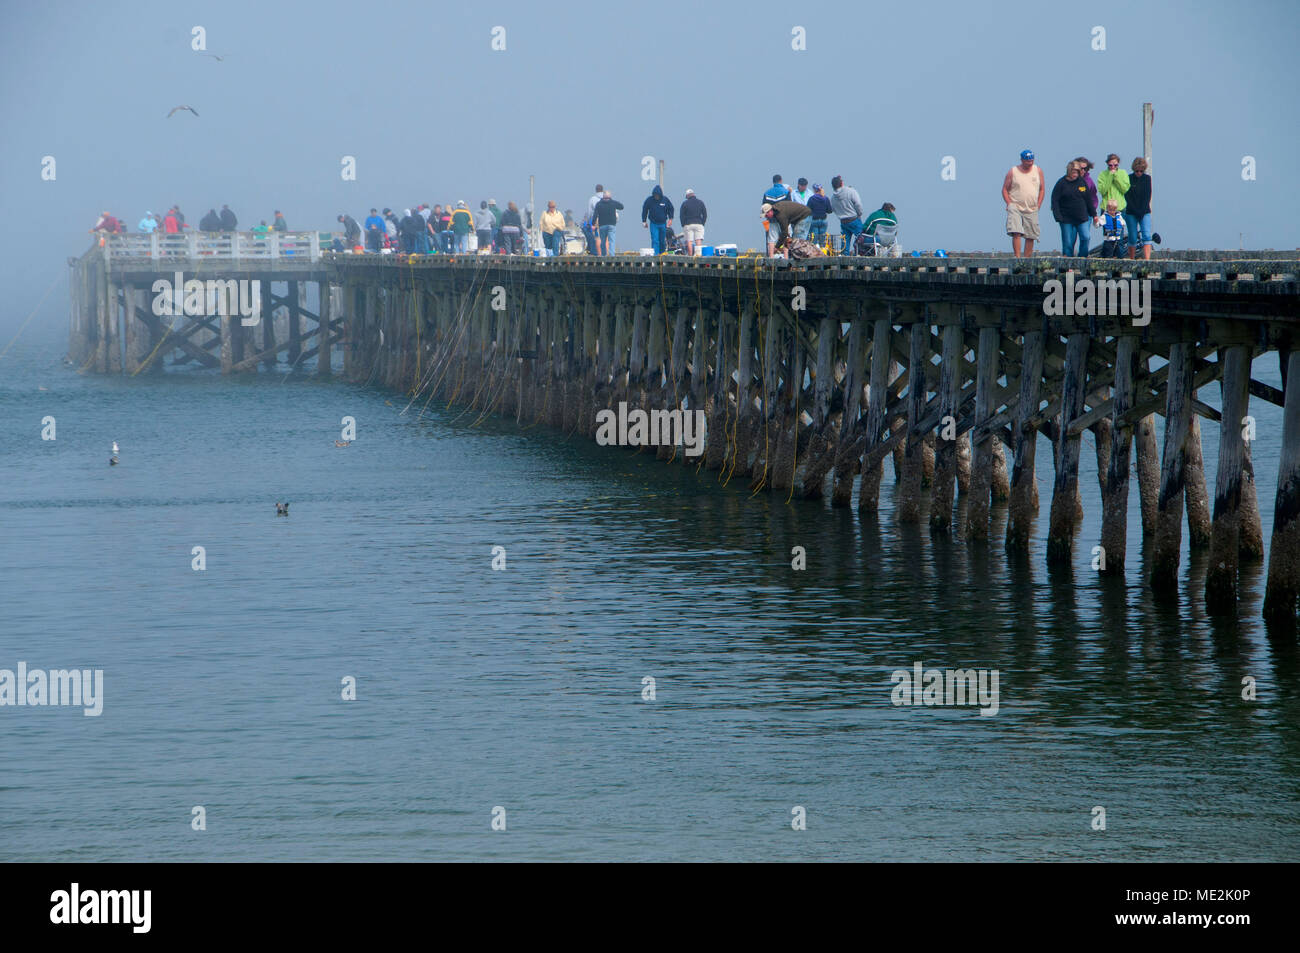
<point>1118,202</point>
<point>795,220</point>
<point>173,222</point>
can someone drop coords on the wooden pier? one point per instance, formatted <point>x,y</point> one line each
<point>117,327</point>
<point>811,373</point>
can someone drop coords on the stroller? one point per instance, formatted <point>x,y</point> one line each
<point>674,244</point>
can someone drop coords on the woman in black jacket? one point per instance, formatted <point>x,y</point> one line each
<point>1074,210</point>
<point>512,229</point>
<point>1137,210</point>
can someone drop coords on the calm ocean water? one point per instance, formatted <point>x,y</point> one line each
<point>522,689</point>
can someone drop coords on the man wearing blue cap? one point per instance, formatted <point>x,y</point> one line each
<point>1022,191</point>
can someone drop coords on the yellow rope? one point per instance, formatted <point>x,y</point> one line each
<point>145,363</point>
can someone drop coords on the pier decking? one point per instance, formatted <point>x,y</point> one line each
<point>810,373</point>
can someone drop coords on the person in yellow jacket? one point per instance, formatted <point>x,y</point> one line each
<point>1112,185</point>
<point>553,229</point>
<point>462,226</point>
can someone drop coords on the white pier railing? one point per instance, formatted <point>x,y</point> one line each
<point>228,246</point>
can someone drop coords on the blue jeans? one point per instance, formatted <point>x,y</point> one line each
<point>817,230</point>
<point>850,229</point>
<point>1139,230</point>
<point>589,234</point>
<point>658,237</point>
<point>462,244</point>
<point>1070,233</point>
<point>801,228</point>
<point>555,242</point>
<point>607,238</point>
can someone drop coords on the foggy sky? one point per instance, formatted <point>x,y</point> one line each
<point>583,91</point>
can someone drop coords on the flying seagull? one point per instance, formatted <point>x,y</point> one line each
<point>219,59</point>
<point>179,108</point>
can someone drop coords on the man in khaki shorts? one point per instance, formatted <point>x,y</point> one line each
<point>1022,191</point>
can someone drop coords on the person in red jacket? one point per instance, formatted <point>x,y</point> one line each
<point>171,225</point>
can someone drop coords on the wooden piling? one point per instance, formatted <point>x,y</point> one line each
<point>909,493</point>
<point>1169,512</point>
<point>112,328</point>
<point>1196,494</point>
<point>295,329</point>
<point>963,466</point>
<point>1063,519</point>
<point>821,444</point>
<point>1221,578</point>
<point>722,416</point>
<point>1284,549</point>
<point>1148,465</point>
<point>1114,519</point>
<point>1000,483</point>
<point>945,465</point>
<point>898,423</point>
<point>268,326</point>
<point>324,353</point>
<point>1023,506</point>
<point>1251,534</point>
<point>784,458</point>
<point>739,464</point>
<point>877,400</point>
<point>846,460</point>
<point>977,509</point>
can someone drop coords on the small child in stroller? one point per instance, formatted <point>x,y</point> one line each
<point>1114,232</point>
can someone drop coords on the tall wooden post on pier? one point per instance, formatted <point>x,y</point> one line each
<point>1148,118</point>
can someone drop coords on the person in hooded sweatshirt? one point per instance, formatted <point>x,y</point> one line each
<point>148,224</point>
<point>411,230</point>
<point>210,222</point>
<point>228,221</point>
<point>484,226</point>
<point>657,215</point>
